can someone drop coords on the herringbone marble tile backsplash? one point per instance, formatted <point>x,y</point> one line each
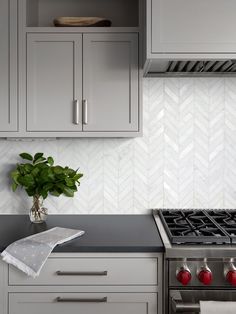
<point>186,157</point>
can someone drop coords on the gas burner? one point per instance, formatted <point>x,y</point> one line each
<point>226,219</point>
<point>199,226</point>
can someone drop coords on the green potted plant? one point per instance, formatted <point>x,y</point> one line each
<point>39,177</point>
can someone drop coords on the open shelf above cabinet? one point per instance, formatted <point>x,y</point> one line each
<point>82,29</point>
<point>122,13</point>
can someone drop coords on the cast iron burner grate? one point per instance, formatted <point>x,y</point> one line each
<point>226,218</point>
<point>199,226</point>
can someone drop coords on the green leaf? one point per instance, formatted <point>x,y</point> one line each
<point>35,172</point>
<point>71,173</point>
<point>26,156</point>
<point>39,160</point>
<point>69,182</point>
<point>14,175</point>
<point>78,176</point>
<point>41,165</point>
<point>44,174</point>
<point>37,156</point>
<point>60,177</point>
<point>48,186</point>
<point>30,192</point>
<point>27,180</point>
<point>21,169</point>
<point>28,168</point>
<point>60,187</point>
<point>58,169</point>
<point>50,161</point>
<point>51,176</point>
<point>44,193</point>
<point>68,192</point>
<point>14,186</point>
<point>74,188</point>
<point>55,193</point>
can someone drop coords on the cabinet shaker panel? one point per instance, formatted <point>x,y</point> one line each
<point>110,82</point>
<point>8,66</point>
<point>187,26</point>
<point>54,82</point>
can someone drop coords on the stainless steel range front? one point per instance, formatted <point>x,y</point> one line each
<point>200,257</point>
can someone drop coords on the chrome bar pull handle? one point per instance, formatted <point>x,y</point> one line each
<point>82,300</point>
<point>76,112</point>
<point>85,111</point>
<point>184,307</point>
<point>81,273</point>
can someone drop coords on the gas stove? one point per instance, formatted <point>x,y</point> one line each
<point>200,256</point>
<point>200,226</point>
<point>197,233</point>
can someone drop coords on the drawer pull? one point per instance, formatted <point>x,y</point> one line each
<point>82,273</point>
<point>81,300</point>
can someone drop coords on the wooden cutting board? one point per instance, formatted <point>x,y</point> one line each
<point>73,21</point>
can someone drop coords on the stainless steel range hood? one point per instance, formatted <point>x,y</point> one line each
<point>190,38</point>
<point>192,68</point>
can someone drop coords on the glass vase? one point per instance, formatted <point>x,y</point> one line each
<point>38,213</point>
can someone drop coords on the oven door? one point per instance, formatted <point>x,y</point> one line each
<point>187,301</point>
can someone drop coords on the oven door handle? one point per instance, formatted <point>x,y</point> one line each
<point>182,307</point>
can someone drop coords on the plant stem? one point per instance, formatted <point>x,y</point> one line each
<point>36,206</point>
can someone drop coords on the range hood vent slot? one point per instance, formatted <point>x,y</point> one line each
<point>192,68</point>
<point>202,66</point>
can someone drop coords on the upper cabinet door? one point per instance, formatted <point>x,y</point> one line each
<point>110,83</point>
<point>192,26</point>
<point>8,66</point>
<point>54,82</point>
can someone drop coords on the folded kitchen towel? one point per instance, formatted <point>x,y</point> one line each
<point>30,254</point>
<point>217,307</point>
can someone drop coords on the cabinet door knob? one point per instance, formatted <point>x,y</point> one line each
<point>76,112</point>
<point>85,111</point>
<point>82,300</point>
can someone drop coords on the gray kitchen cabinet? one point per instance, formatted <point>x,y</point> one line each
<point>64,100</point>
<point>111,82</point>
<point>112,271</point>
<point>69,81</point>
<point>89,303</point>
<point>103,283</point>
<point>203,26</point>
<point>54,82</point>
<point>8,66</point>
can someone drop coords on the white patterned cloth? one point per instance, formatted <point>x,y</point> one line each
<point>217,307</point>
<point>31,253</point>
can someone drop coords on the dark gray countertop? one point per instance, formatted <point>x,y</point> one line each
<point>103,233</point>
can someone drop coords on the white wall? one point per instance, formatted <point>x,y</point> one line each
<point>186,158</point>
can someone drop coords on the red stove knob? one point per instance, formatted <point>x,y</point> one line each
<point>231,277</point>
<point>205,276</point>
<point>183,275</point>
<point>230,272</point>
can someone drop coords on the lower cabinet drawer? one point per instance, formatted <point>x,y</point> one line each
<point>74,303</point>
<point>91,271</point>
